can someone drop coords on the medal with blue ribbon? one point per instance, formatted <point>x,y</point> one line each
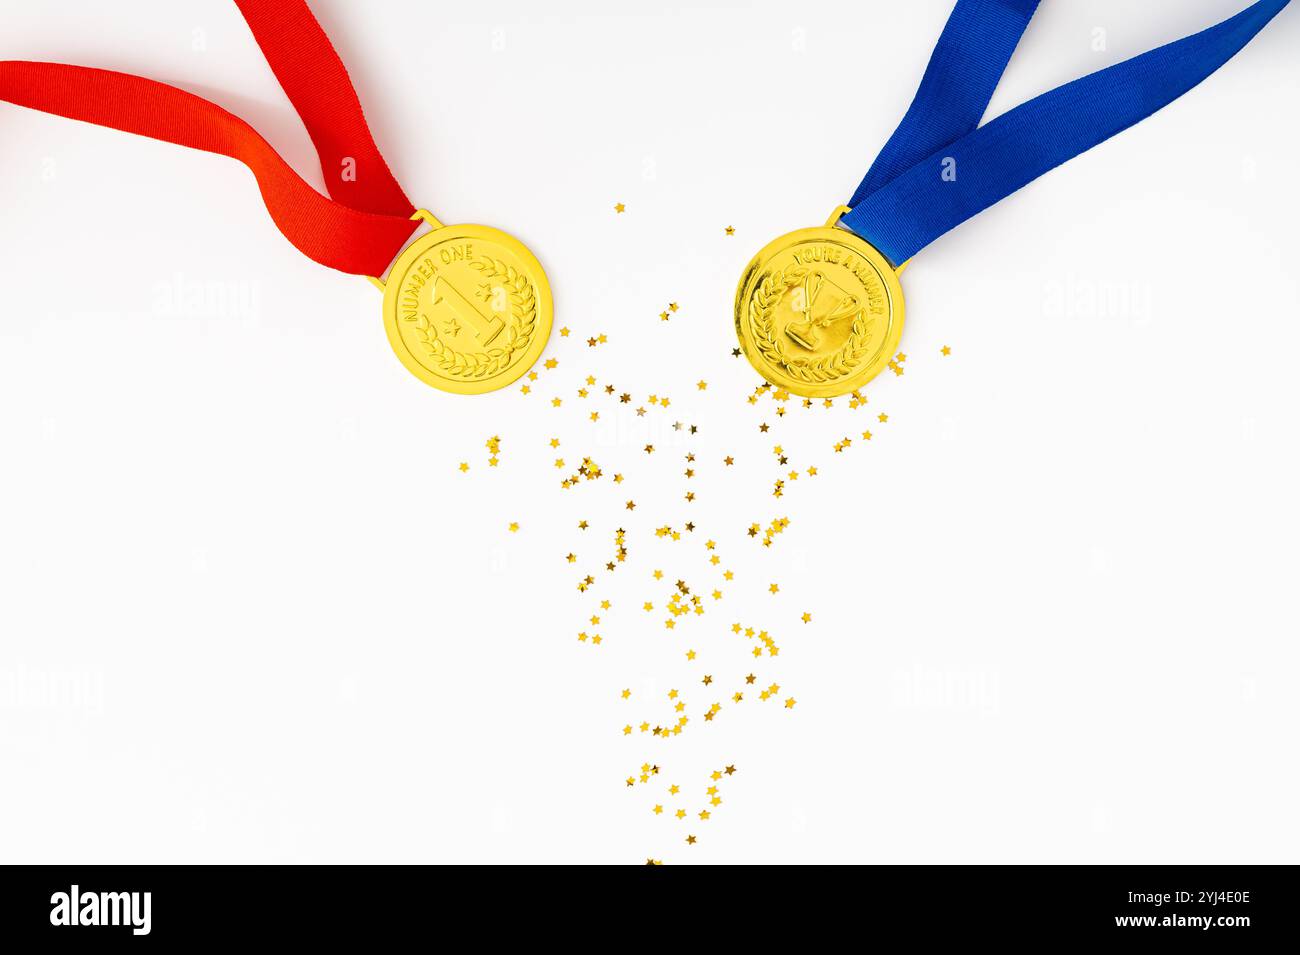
<point>819,311</point>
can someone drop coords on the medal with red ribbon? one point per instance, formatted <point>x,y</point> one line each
<point>467,308</point>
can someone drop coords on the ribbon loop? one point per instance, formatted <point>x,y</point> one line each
<point>902,210</point>
<point>367,219</point>
<point>964,71</point>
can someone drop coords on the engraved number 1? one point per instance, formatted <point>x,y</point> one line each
<point>485,328</point>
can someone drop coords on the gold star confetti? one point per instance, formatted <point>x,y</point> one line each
<point>687,583</point>
<point>619,207</point>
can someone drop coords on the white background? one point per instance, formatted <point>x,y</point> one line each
<point>251,611</point>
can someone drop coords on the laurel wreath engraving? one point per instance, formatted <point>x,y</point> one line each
<point>484,364</point>
<point>763,302</point>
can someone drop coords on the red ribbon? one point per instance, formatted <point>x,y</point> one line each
<point>367,219</point>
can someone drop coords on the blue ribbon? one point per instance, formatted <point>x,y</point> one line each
<point>906,201</point>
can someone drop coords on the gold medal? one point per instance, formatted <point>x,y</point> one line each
<point>819,311</point>
<point>467,308</point>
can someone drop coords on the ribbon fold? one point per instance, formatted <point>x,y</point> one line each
<point>906,200</point>
<point>359,228</point>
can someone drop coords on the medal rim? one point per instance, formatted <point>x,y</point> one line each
<point>545,307</point>
<point>832,235</point>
